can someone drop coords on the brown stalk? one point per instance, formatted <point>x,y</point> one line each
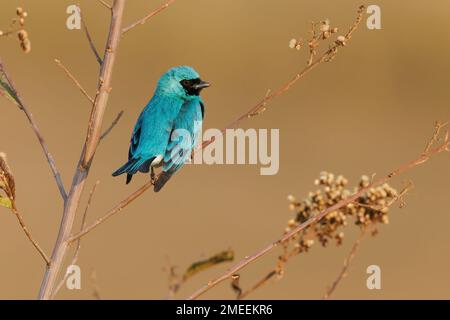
<point>91,143</point>
<point>29,235</point>
<point>148,16</point>
<point>22,106</point>
<point>348,260</point>
<point>103,3</point>
<point>78,246</point>
<point>75,81</point>
<point>88,37</point>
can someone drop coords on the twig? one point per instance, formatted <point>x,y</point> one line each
<point>37,131</point>
<point>148,16</point>
<point>347,262</point>
<point>8,186</point>
<point>78,246</point>
<point>88,151</point>
<point>236,286</point>
<point>258,284</point>
<point>112,125</point>
<point>75,81</point>
<point>29,235</point>
<point>88,36</point>
<point>250,113</point>
<point>95,287</point>
<point>105,4</point>
<point>118,208</point>
<point>249,259</point>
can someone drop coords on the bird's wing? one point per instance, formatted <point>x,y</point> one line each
<point>152,131</point>
<point>185,135</point>
<point>135,137</point>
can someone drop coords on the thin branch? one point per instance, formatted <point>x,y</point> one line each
<point>37,131</point>
<point>251,258</point>
<point>88,151</point>
<point>75,81</point>
<point>89,38</point>
<point>78,246</point>
<point>348,260</point>
<point>105,4</point>
<point>148,16</point>
<point>29,235</point>
<point>118,208</point>
<point>258,284</point>
<point>112,125</point>
<point>95,287</point>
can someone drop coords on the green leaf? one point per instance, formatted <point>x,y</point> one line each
<point>5,202</point>
<point>7,92</point>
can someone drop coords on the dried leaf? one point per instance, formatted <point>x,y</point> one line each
<point>235,285</point>
<point>196,267</point>
<point>5,202</point>
<point>7,183</point>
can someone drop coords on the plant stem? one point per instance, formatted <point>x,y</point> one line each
<point>29,235</point>
<point>92,139</point>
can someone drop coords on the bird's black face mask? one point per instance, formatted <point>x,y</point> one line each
<point>194,86</point>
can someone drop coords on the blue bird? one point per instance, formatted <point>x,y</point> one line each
<point>167,129</point>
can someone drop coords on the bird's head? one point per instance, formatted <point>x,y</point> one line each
<point>181,82</point>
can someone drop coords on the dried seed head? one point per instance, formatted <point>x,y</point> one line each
<point>22,34</point>
<point>26,46</point>
<point>341,40</point>
<point>292,43</point>
<point>324,27</point>
<point>326,35</point>
<point>370,208</point>
<point>19,11</point>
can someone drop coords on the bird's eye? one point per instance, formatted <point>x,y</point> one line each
<point>185,82</point>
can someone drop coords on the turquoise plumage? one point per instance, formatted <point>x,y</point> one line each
<point>167,129</point>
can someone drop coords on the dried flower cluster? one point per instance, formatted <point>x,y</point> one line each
<point>321,31</point>
<point>368,210</point>
<point>17,27</point>
<point>7,184</point>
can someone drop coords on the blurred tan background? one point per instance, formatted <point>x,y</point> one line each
<point>370,110</point>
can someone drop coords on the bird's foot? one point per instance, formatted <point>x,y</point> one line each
<point>152,176</point>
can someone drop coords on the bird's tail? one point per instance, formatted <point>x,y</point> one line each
<point>131,167</point>
<point>162,180</point>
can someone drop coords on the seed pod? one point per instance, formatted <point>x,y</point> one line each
<point>324,27</point>
<point>26,46</point>
<point>22,34</point>
<point>292,43</point>
<point>19,11</point>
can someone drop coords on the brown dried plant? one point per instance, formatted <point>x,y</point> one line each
<point>8,200</point>
<point>439,143</point>
<point>17,28</point>
<point>370,209</point>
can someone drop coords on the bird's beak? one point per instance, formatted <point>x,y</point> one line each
<point>201,85</point>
